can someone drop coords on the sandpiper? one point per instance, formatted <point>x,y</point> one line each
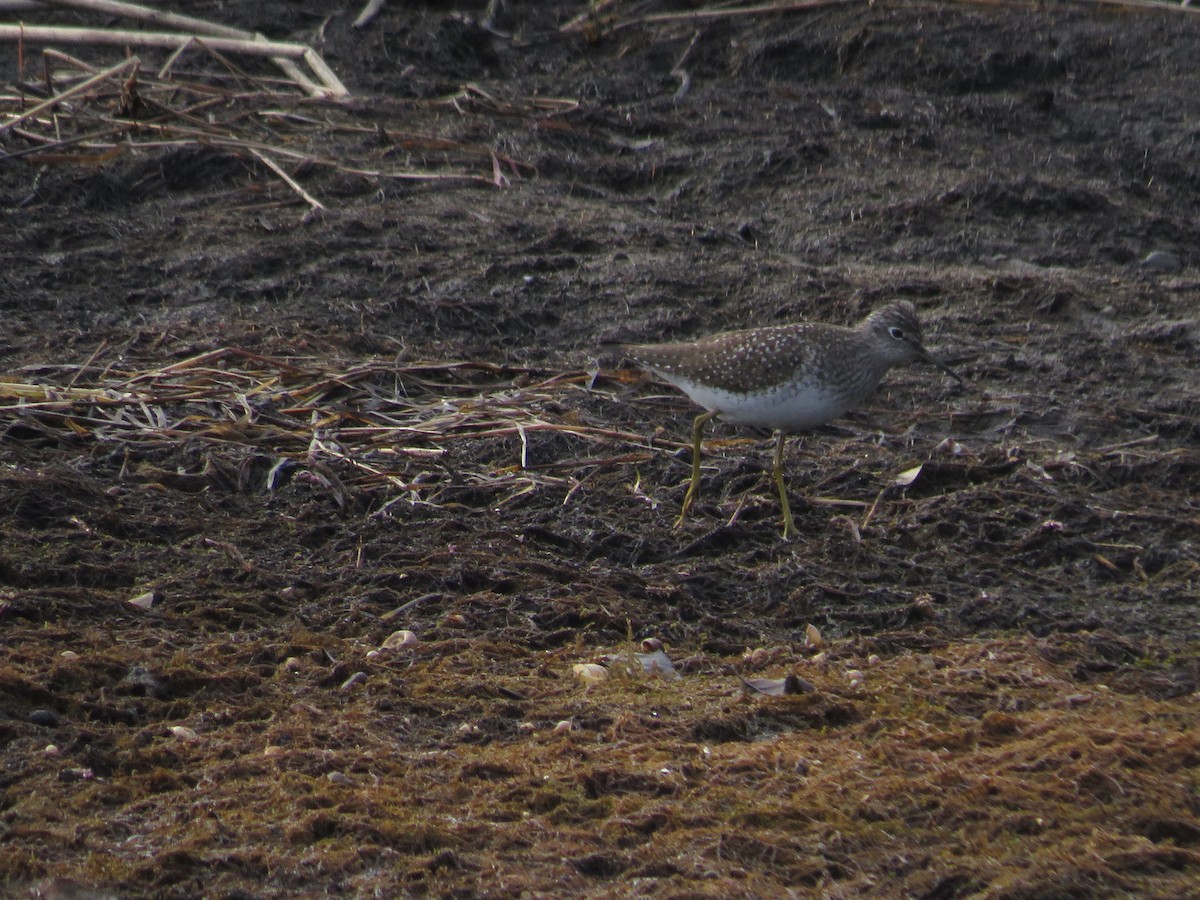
<point>786,378</point>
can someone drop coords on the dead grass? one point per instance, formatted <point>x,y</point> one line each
<point>979,766</point>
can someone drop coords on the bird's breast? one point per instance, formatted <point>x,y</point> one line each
<point>790,407</point>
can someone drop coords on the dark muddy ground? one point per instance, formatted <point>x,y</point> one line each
<point>303,432</point>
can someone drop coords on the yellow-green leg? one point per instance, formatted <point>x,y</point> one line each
<point>789,527</point>
<point>694,486</point>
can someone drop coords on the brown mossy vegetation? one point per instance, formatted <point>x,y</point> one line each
<point>980,763</point>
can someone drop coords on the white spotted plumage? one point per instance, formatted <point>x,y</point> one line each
<point>785,377</point>
<point>789,377</point>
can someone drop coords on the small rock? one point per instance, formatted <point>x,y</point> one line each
<point>142,601</point>
<point>778,687</point>
<point>922,607</point>
<point>355,679</point>
<point>300,591</point>
<point>47,718</point>
<point>1162,261</point>
<point>183,733</point>
<point>589,673</point>
<point>401,639</point>
<point>657,663</point>
<point>756,657</point>
<point>812,637</point>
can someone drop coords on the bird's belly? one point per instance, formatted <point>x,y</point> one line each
<point>790,407</point>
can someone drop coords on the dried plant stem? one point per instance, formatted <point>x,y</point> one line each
<point>49,34</point>
<point>288,180</point>
<point>113,72</point>
<point>46,34</point>
<point>332,85</point>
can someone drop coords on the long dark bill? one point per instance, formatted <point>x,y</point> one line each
<point>929,358</point>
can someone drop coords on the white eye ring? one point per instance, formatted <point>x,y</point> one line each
<point>896,332</point>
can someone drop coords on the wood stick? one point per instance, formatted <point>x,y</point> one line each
<point>49,34</point>
<point>288,180</point>
<point>317,64</point>
<point>59,56</point>
<point>119,69</point>
<point>369,12</point>
<point>698,15</point>
<point>153,16</point>
<point>332,85</point>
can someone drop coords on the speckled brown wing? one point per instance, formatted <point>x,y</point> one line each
<point>741,362</point>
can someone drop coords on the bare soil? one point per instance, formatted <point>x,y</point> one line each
<point>301,432</point>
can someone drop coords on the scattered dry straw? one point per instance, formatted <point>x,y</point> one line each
<point>378,424</point>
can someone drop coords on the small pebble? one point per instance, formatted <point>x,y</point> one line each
<point>356,678</point>
<point>922,607</point>
<point>564,727</point>
<point>339,778</point>
<point>47,718</point>
<point>657,663</point>
<point>1161,261</point>
<point>757,656</point>
<point>68,654</point>
<point>399,640</point>
<point>812,637</point>
<point>589,673</point>
<point>183,733</point>
<point>142,601</point>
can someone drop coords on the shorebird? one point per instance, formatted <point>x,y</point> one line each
<point>787,378</point>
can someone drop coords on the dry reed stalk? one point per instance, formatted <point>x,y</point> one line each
<point>330,85</point>
<point>376,425</point>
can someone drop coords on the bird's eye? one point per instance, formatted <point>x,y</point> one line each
<point>896,332</point>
